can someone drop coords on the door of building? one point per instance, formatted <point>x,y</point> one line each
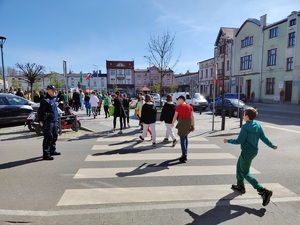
<point>288,91</point>
<point>248,88</point>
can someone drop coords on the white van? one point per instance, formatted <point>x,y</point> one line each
<point>197,101</point>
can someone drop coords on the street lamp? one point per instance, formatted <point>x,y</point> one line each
<point>2,41</point>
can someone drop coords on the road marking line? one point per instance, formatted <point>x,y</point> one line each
<point>157,156</point>
<point>161,194</point>
<point>156,171</point>
<point>145,146</point>
<point>280,128</point>
<point>134,139</point>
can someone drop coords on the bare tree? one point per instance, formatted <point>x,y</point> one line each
<point>31,73</point>
<point>161,49</point>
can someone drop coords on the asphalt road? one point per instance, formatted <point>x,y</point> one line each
<point>40,192</point>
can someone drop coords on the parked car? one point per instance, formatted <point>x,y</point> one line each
<point>234,95</point>
<point>232,103</point>
<point>196,101</point>
<point>15,109</point>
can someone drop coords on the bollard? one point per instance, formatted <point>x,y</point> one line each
<point>200,110</point>
<point>241,116</point>
<point>230,111</point>
<point>223,119</point>
<point>59,125</point>
<point>76,124</point>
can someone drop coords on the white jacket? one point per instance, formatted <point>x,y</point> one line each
<point>94,100</point>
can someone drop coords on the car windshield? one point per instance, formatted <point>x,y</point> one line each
<point>15,100</point>
<point>237,102</point>
<point>198,96</point>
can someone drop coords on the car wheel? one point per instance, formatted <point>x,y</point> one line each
<point>235,113</point>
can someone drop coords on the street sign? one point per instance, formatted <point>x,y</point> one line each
<point>232,83</point>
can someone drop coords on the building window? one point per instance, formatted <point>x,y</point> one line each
<point>247,41</point>
<point>120,72</point>
<point>274,32</point>
<point>246,62</point>
<point>112,72</point>
<point>292,39</point>
<point>211,72</point>
<point>112,81</point>
<point>127,72</point>
<point>272,57</point>
<point>127,81</point>
<point>221,49</point>
<point>270,86</point>
<point>139,81</point>
<point>292,22</point>
<point>289,63</point>
<point>206,73</point>
<point>227,65</point>
<point>201,74</point>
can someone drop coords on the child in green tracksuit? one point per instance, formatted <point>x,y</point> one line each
<point>248,138</point>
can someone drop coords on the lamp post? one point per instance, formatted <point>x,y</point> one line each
<point>2,41</point>
<point>97,76</point>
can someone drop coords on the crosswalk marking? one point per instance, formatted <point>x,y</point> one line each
<point>133,138</point>
<point>147,145</point>
<point>162,194</point>
<point>157,156</point>
<point>157,171</point>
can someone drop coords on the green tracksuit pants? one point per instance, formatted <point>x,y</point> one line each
<point>243,170</point>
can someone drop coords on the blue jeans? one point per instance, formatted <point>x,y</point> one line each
<point>184,145</point>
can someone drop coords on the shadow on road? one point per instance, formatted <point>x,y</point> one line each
<point>20,162</point>
<point>223,211</point>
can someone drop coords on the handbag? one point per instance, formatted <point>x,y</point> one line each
<point>111,111</point>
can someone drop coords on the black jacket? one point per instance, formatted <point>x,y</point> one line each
<point>167,112</point>
<point>148,113</point>
<point>119,107</point>
<point>48,109</point>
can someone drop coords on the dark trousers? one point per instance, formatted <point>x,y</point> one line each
<point>126,117</point>
<point>50,131</point>
<point>121,122</point>
<point>106,110</point>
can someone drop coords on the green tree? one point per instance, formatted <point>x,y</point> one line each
<point>161,49</point>
<point>172,88</point>
<point>31,73</point>
<point>115,86</point>
<point>156,87</point>
<point>56,79</point>
<point>15,83</point>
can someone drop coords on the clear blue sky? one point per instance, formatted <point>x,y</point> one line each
<point>89,32</point>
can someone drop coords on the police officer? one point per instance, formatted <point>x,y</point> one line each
<point>48,116</point>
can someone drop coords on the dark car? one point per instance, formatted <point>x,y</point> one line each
<point>232,103</point>
<point>15,109</point>
<point>234,95</point>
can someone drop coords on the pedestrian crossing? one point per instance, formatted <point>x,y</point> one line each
<point>107,165</point>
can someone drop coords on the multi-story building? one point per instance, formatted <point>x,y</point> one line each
<point>188,82</point>
<point>120,76</point>
<point>267,57</point>
<point>223,54</point>
<point>145,79</point>
<point>207,77</point>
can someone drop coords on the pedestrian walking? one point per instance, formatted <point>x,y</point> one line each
<point>81,96</point>
<point>248,138</point>
<point>252,97</point>
<point>186,124</point>
<point>139,107</point>
<point>94,101</point>
<point>126,103</point>
<point>119,111</point>
<point>76,100</point>
<point>106,104</point>
<point>167,115</point>
<point>87,104</point>
<point>148,119</point>
<point>48,117</point>
<point>281,94</point>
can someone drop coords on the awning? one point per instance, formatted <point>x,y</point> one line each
<point>145,89</point>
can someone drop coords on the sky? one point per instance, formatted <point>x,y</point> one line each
<point>86,33</point>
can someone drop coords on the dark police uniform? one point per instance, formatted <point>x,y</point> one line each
<point>48,115</point>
